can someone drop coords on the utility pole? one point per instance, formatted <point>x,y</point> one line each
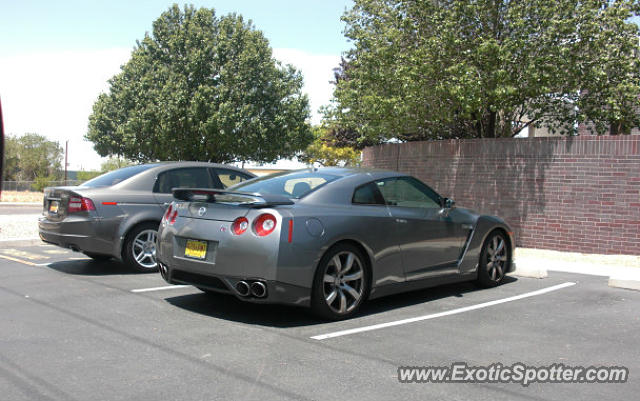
<point>66,153</point>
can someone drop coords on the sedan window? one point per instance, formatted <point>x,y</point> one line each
<point>191,177</point>
<point>116,176</point>
<point>408,192</point>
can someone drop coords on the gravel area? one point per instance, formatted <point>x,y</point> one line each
<point>21,196</point>
<point>19,226</point>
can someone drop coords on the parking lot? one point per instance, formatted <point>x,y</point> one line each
<point>75,329</point>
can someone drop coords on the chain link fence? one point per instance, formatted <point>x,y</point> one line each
<point>29,185</point>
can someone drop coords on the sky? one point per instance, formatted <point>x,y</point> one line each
<point>56,56</point>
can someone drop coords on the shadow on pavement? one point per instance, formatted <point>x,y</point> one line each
<point>92,267</point>
<point>228,307</point>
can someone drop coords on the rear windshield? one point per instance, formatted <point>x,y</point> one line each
<point>292,185</point>
<point>116,176</point>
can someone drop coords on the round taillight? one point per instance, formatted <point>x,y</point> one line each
<point>264,224</point>
<point>240,225</point>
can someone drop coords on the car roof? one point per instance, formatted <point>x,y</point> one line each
<point>159,167</point>
<point>193,164</point>
<point>367,173</point>
<point>345,171</point>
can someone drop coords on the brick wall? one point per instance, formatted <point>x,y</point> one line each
<point>579,194</point>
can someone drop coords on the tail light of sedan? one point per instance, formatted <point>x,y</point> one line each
<point>80,204</point>
<point>264,224</point>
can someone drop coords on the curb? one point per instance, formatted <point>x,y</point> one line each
<point>20,203</point>
<point>628,282</point>
<point>618,277</point>
<point>20,242</point>
<point>531,270</point>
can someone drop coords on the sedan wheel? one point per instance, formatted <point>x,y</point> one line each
<point>340,285</point>
<point>140,248</point>
<point>494,260</point>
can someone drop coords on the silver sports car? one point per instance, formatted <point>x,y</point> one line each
<point>117,214</point>
<point>328,238</point>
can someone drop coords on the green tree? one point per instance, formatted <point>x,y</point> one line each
<point>83,176</point>
<point>323,150</point>
<point>30,157</point>
<point>114,163</point>
<point>424,69</point>
<point>202,87</point>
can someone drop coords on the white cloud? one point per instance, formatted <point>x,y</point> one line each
<point>52,93</point>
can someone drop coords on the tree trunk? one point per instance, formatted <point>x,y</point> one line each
<point>491,125</point>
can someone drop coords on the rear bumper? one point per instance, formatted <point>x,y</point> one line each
<point>77,235</point>
<point>227,260</point>
<point>277,291</point>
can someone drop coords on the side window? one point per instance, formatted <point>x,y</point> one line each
<point>408,192</point>
<point>230,178</point>
<point>189,177</point>
<point>367,194</point>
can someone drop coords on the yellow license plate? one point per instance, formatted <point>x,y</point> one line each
<point>53,207</point>
<point>195,249</point>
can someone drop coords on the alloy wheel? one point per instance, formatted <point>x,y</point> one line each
<point>343,282</point>
<point>496,258</point>
<point>144,249</point>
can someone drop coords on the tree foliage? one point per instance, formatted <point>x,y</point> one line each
<point>324,150</point>
<point>425,69</point>
<point>114,163</point>
<point>84,175</point>
<point>202,87</point>
<point>32,157</point>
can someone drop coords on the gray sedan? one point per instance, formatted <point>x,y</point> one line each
<point>328,239</point>
<point>117,214</point>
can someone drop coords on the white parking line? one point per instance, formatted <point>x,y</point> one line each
<point>168,287</point>
<point>441,314</point>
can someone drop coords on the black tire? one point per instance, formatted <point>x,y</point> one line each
<point>98,257</point>
<point>345,285</point>
<point>495,258</point>
<point>147,264</point>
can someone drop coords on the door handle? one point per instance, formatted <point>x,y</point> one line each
<point>401,221</point>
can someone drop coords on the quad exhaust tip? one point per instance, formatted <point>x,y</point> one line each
<point>243,288</point>
<point>258,289</point>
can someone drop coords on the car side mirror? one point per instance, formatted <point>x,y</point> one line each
<point>448,203</point>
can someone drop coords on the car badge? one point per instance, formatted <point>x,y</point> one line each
<point>223,229</point>
<point>202,211</point>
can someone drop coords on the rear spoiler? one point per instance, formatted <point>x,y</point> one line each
<point>240,198</point>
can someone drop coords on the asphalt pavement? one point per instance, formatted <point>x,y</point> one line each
<point>75,329</point>
<point>14,208</point>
